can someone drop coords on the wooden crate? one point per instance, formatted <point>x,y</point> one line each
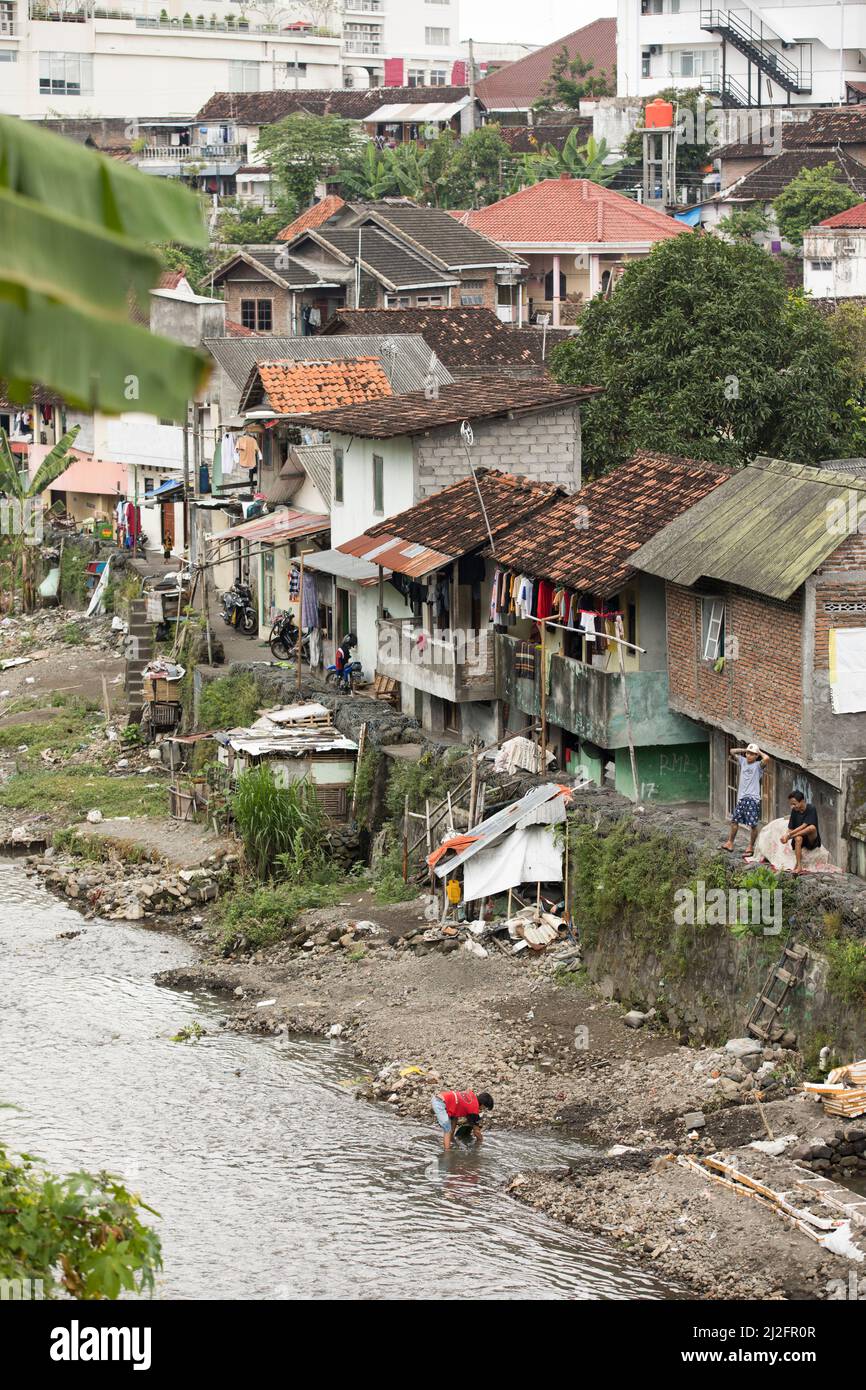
<point>158,688</point>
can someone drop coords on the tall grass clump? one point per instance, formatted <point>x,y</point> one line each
<point>282,828</point>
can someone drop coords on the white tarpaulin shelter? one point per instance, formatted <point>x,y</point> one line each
<point>848,669</point>
<point>530,855</point>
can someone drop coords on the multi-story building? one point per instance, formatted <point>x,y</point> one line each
<point>414,43</point>
<point>164,58</point>
<point>156,58</point>
<point>748,55</point>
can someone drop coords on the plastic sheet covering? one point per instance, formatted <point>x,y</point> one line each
<point>530,855</point>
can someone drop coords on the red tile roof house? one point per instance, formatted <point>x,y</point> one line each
<point>517,86</point>
<point>834,256</point>
<point>576,235</point>
<point>585,545</point>
<point>394,452</point>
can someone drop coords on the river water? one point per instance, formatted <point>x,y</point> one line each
<point>271,1181</point>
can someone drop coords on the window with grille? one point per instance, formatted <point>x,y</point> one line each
<point>257,314</point>
<point>7,17</point>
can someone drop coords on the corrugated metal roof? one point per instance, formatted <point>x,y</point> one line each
<point>766,529</point>
<point>407,363</point>
<point>344,566</point>
<point>428,111</point>
<point>316,460</point>
<point>406,557</point>
<point>277,526</point>
<point>540,806</point>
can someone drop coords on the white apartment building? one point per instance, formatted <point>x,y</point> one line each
<point>164,58</point>
<point>401,43</point>
<point>791,52</point>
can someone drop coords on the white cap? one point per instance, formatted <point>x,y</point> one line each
<point>753,748</point>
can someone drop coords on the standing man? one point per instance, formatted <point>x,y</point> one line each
<point>802,827</point>
<point>455,1108</point>
<point>751,762</point>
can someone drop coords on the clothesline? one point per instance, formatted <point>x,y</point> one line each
<point>608,637</point>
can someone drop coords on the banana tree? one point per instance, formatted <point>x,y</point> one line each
<point>21,508</point>
<point>582,161</point>
<point>366,174</point>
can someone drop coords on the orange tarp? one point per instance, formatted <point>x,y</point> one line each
<point>457,843</point>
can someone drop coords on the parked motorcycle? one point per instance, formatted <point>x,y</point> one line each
<point>283,640</point>
<point>238,610</point>
<point>345,679</point>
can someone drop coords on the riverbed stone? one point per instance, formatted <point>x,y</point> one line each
<point>743,1048</point>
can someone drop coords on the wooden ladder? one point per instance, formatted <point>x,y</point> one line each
<point>787,972</point>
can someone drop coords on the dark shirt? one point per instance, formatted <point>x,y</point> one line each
<point>808,816</point>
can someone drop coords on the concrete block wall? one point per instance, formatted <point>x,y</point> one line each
<point>544,446</point>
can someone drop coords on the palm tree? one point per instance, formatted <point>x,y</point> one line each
<point>22,502</point>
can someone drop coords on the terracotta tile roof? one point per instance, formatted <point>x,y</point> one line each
<point>354,104</point>
<point>413,413</point>
<point>530,139</point>
<point>522,82</point>
<point>767,181</point>
<point>851,217</point>
<point>315,216</point>
<point>459,337</point>
<point>589,551</point>
<point>568,212</point>
<point>840,125</point>
<point>452,521</point>
<point>170,279</point>
<point>237,330</point>
<point>294,388</point>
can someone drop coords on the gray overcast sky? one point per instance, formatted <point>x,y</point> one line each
<point>528,21</point>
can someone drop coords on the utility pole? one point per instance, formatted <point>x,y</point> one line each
<point>471,74</point>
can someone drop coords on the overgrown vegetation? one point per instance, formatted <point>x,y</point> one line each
<point>82,1235</point>
<point>846,956</point>
<point>73,577</point>
<point>282,828</point>
<point>366,772</point>
<point>430,778</point>
<point>74,790</point>
<point>258,915</point>
<point>229,702</point>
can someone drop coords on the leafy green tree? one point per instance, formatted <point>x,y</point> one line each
<point>744,224</point>
<point>245,224</point>
<point>302,150</point>
<point>80,1235</point>
<point>195,264</point>
<point>572,79</point>
<point>810,197</point>
<point>702,351</point>
<point>23,500</point>
<point>77,243</point>
<point>472,174</point>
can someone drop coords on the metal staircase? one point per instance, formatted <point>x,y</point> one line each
<point>740,35</point>
<point>728,92</point>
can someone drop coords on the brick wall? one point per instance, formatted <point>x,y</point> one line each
<point>545,446</point>
<point>760,690</point>
<point>840,583</point>
<point>249,287</point>
<point>473,283</point>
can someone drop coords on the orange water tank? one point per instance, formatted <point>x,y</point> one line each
<point>659,115</point>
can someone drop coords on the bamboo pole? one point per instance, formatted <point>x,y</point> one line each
<point>473,789</point>
<point>406,839</point>
<point>301,623</point>
<point>362,740</point>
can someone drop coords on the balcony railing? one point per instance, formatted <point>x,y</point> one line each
<point>198,23</point>
<point>453,666</point>
<point>193,153</point>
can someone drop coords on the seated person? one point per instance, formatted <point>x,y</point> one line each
<point>802,827</point>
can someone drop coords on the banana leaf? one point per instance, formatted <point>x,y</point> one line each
<point>46,249</point>
<point>57,172</point>
<point>11,481</point>
<point>53,464</point>
<point>94,362</point>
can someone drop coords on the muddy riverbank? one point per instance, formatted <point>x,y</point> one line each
<point>558,1059</point>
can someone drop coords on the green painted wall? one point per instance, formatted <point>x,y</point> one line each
<point>666,773</point>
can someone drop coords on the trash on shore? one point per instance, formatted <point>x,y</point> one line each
<point>844,1091</point>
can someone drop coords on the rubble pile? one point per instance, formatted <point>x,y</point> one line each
<point>126,891</point>
<point>27,633</point>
